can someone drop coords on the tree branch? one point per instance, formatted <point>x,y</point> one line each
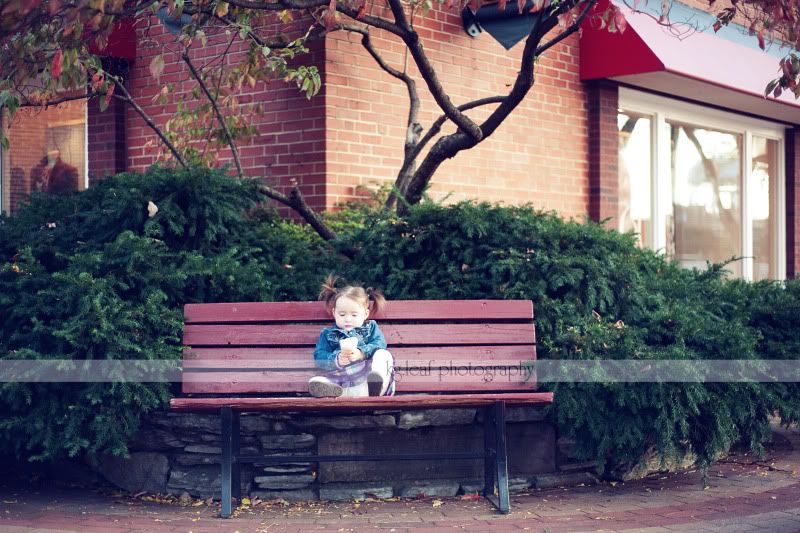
<point>297,202</point>
<point>149,121</point>
<point>575,26</point>
<point>404,176</point>
<point>449,146</point>
<point>217,112</point>
<point>411,38</point>
<point>56,101</point>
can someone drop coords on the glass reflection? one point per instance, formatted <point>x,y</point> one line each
<point>706,196</point>
<point>635,176</point>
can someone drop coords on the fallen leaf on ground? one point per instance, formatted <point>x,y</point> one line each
<point>470,497</point>
<point>437,503</point>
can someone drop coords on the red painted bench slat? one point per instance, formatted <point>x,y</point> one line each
<point>298,357</point>
<point>395,310</point>
<point>290,381</point>
<point>406,401</point>
<point>396,334</point>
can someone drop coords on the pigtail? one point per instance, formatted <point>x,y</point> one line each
<point>378,300</point>
<point>328,291</point>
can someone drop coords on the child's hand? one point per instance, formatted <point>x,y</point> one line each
<point>347,357</point>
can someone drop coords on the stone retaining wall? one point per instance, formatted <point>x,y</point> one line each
<point>177,452</point>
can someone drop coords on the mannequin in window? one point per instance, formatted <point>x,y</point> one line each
<point>59,177</point>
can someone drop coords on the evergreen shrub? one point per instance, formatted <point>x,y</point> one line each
<point>92,276</point>
<point>598,296</point>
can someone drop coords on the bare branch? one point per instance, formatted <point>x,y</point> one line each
<point>449,146</point>
<point>149,121</point>
<point>411,38</point>
<point>575,26</point>
<point>439,122</point>
<point>297,202</point>
<point>403,177</point>
<point>221,119</point>
<point>56,101</point>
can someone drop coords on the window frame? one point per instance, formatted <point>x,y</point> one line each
<point>661,110</point>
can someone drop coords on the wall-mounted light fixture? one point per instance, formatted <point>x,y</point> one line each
<point>508,27</point>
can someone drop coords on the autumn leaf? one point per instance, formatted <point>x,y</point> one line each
<point>760,36</point>
<point>222,9</point>
<point>157,66</point>
<point>57,64</point>
<point>329,16</point>
<point>108,96</point>
<point>470,497</point>
<point>717,26</point>
<point>437,503</point>
<point>620,21</point>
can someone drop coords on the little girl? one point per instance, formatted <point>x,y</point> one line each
<point>353,352</point>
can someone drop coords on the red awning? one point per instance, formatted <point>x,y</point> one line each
<point>698,66</point>
<point>121,42</point>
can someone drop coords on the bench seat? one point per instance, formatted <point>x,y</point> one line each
<point>403,401</point>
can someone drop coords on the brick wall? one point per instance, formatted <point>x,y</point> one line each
<point>107,148</point>
<point>603,99</point>
<point>290,144</point>
<point>539,155</point>
<point>352,134</point>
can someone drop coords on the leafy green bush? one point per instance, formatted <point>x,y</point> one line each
<point>91,276</point>
<point>598,296</point>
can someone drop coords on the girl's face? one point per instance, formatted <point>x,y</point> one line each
<point>349,313</point>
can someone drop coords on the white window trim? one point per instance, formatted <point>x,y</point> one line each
<point>661,109</point>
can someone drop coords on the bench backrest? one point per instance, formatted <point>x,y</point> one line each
<point>439,345</point>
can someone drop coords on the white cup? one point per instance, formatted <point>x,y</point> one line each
<point>349,344</point>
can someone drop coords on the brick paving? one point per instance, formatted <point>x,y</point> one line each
<point>744,495</point>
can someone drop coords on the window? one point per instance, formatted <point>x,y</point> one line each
<point>47,153</point>
<point>701,184</point>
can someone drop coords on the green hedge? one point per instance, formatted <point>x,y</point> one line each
<point>91,276</point>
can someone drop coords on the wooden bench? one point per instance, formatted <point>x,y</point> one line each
<point>246,357</point>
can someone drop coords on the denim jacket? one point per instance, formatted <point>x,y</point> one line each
<point>370,340</point>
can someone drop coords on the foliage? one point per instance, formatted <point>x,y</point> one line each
<point>91,276</point>
<point>597,296</point>
<point>770,21</point>
<point>51,48</point>
<point>74,287</point>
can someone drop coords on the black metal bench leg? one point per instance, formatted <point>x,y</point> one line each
<point>236,473</point>
<point>226,417</point>
<point>501,457</point>
<point>488,453</point>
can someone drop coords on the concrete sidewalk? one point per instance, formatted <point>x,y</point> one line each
<point>744,495</point>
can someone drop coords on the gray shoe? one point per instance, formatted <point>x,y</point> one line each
<point>320,387</point>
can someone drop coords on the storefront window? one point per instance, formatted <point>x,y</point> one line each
<point>706,196</point>
<point>702,185</point>
<point>47,153</point>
